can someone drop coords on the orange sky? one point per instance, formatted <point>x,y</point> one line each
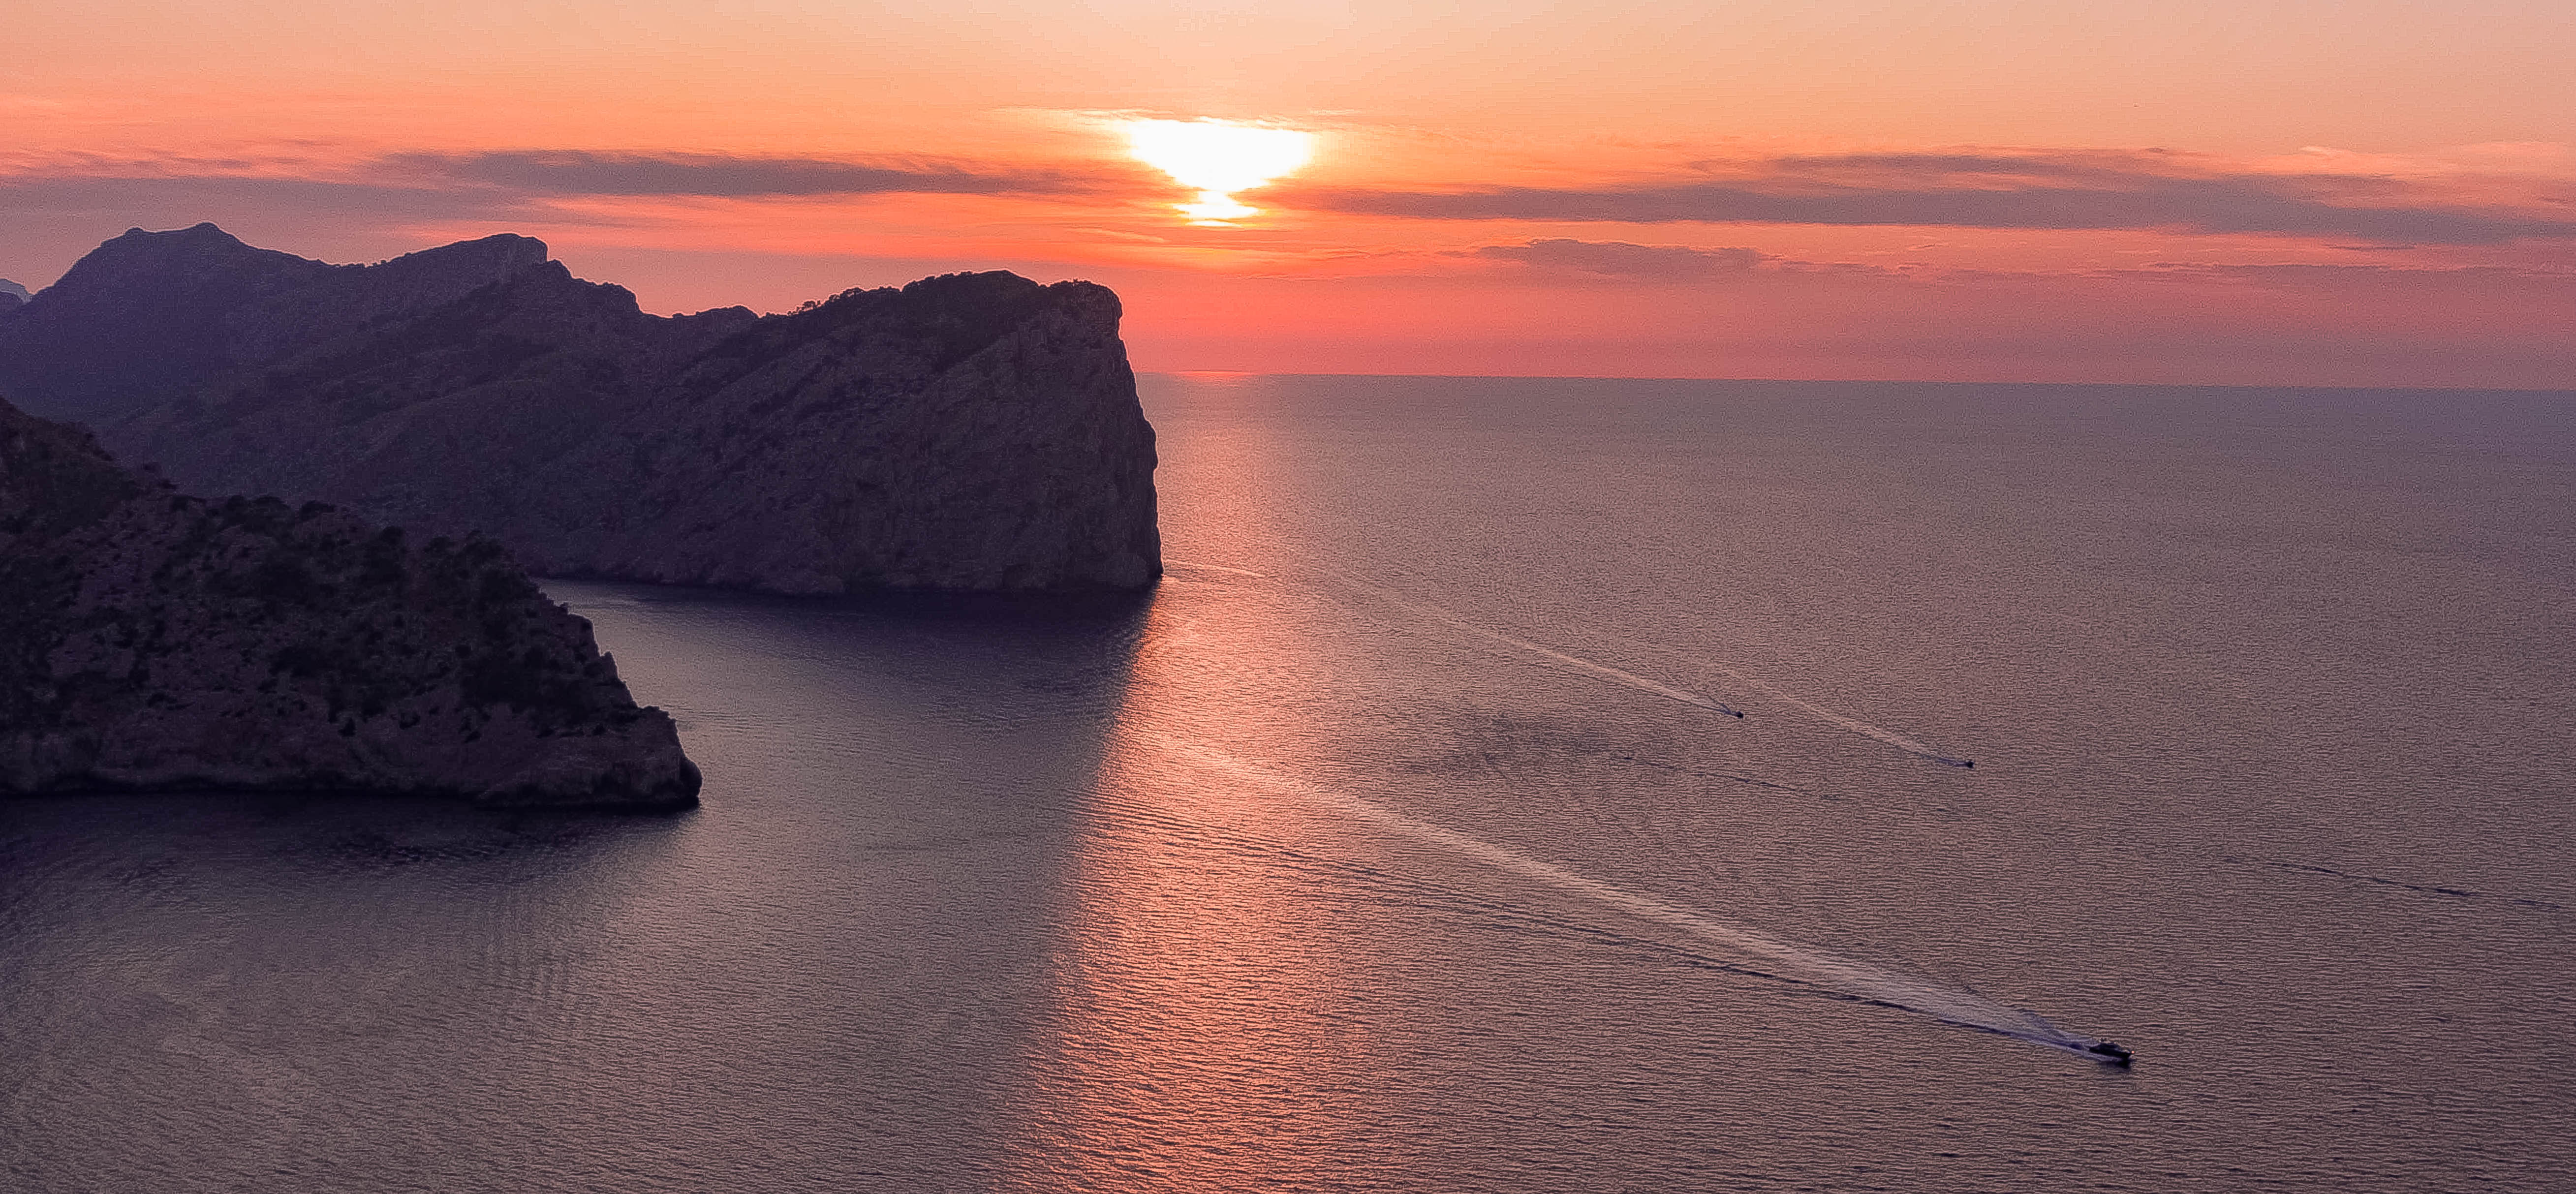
<point>2348,193</point>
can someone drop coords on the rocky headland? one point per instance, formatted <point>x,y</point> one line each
<point>154,641</point>
<point>973,432</point>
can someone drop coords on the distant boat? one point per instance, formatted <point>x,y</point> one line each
<point>2108,1053</point>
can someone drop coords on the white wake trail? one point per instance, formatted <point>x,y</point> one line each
<point>1854,724</point>
<point>1603,671</point>
<point>1216,568</point>
<point>1614,675</point>
<point>1778,958</point>
<point>1599,671</point>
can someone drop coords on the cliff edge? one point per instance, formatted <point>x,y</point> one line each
<point>158,641</point>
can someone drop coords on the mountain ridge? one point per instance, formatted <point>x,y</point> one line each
<point>965,432</point>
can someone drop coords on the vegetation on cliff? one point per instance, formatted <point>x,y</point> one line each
<point>156,640</point>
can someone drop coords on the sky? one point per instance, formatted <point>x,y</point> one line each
<point>2368,192</point>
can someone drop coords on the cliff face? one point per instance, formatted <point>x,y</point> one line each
<point>157,641</point>
<point>970,432</point>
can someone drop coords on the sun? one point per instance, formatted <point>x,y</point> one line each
<point>1218,158</point>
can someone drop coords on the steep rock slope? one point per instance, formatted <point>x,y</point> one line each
<point>150,640</point>
<point>152,315</point>
<point>967,432</point>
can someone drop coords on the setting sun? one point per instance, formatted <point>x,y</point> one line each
<point>1218,158</point>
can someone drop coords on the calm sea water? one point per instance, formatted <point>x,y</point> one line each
<point>1403,840</point>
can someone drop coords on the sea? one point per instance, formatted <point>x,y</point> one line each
<point>1514,785</point>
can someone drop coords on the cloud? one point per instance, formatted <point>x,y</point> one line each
<point>1681,263</point>
<point>1619,259</point>
<point>180,194</point>
<point>2045,191</point>
<point>577,172</point>
<point>499,184</point>
<point>2302,273</point>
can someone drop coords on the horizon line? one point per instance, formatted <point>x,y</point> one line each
<point>1203,374</point>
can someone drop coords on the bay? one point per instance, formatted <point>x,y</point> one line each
<point>1405,838</point>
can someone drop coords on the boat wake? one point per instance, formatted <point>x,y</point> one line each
<point>1854,724</point>
<point>1216,568</point>
<point>1603,671</point>
<point>1598,671</point>
<point>1747,951</point>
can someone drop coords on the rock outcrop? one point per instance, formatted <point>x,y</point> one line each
<point>12,294</point>
<point>967,432</point>
<point>151,640</point>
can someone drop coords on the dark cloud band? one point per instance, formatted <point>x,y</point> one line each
<point>1618,259</point>
<point>2072,192</point>
<point>507,182</point>
<point>574,172</point>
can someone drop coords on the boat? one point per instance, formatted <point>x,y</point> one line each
<point>2108,1053</point>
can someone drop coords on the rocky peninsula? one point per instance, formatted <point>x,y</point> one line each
<point>972,432</point>
<point>154,641</point>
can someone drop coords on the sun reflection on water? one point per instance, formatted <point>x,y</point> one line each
<point>1195,1039</point>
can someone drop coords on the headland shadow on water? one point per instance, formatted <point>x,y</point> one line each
<point>208,832</point>
<point>1101,606</point>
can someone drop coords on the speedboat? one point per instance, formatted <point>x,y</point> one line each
<point>2108,1053</point>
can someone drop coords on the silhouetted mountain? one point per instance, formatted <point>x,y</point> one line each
<point>150,316</point>
<point>156,641</point>
<point>11,294</point>
<point>974,431</point>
